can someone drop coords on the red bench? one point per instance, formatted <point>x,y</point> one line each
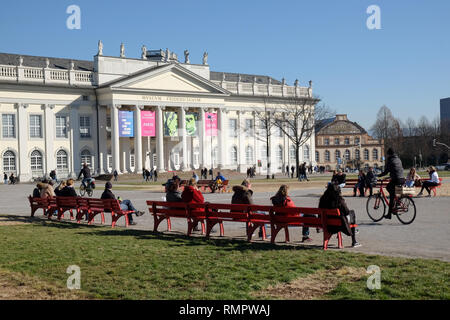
<point>95,207</point>
<point>64,204</point>
<point>205,184</point>
<point>253,216</point>
<point>46,204</point>
<point>113,206</point>
<point>433,188</point>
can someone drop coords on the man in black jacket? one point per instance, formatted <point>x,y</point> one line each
<point>395,169</point>
<point>86,173</point>
<point>124,204</point>
<point>371,180</point>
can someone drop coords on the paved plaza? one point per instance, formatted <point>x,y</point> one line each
<point>427,237</point>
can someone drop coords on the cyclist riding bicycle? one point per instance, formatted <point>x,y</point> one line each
<point>395,169</point>
<point>87,178</point>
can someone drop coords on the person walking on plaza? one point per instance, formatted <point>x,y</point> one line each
<point>155,175</point>
<point>434,181</point>
<point>115,174</point>
<point>124,204</point>
<point>144,174</point>
<point>12,179</point>
<point>5,178</point>
<point>292,171</point>
<point>395,169</point>
<point>371,180</point>
<point>332,199</point>
<point>147,175</point>
<point>287,170</point>
<point>195,176</point>
<point>211,173</point>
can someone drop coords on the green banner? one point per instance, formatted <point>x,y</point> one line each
<point>170,124</point>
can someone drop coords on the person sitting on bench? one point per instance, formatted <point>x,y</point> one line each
<point>332,199</point>
<point>360,184</point>
<point>412,179</point>
<point>173,193</point>
<point>433,182</point>
<point>339,179</point>
<point>68,190</point>
<point>371,180</point>
<point>124,204</point>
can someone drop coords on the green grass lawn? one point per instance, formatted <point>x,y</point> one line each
<point>130,264</point>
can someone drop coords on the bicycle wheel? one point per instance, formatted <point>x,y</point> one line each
<point>406,210</point>
<point>89,192</point>
<point>376,207</point>
<point>82,191</point>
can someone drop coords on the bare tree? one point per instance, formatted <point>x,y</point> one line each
<point>297,118</point>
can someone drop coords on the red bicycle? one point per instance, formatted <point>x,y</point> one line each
<point>404,208</point>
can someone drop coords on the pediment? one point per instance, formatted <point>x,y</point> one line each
<point>168,78</point>
<point>342,127</point>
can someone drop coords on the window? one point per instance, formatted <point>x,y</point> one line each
<point>8,126</point>
<point>86,158</point>
<point>374,154</point>
<point>264,152</point>
<point>336,141</point>
<point>347,155</point>
<point>9,162</point>
<point>337,154</point>
<point>109,162</point>
<point>278,132</point>
<point>317,156</point>
<point>234,155</point>
<point>366,154</point>
<point>85,127</point>
<point>35,126</point>
<point>132,160</point>
<point>292,153</point>
<point>249,127</point>
<point>36,161</point>
<point>61,126</point>
<point>357,154</point>
<point>280,154</point>
<point>357,141</point>
<point>61,160</point>
<point>306,152</point>
<point>233,128</point>
<point>249,155</point>
<point>347,141</point>
<point>326,141</point>
<point>327,156</point>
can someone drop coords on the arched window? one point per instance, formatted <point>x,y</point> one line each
<point>86,157</point>
<point>9,162</point>
<point>347,154</point>
<point>337,154</point>
<point>374,154</point>
<point>327,156</point>
<point>357,154</point>
<point>36,161</point>
<point>366,154</point>
<point>249,155</point>
<point>292,153</point>
<point>317,156</point>
<point>234,155</point>
<point>306,152</point>
<point>62,160</point>
<point>280,154</point>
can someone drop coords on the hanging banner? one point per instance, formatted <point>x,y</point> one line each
<point>192,123</point>
<point>148,123</point>
<point>170,124</point>
<point>210,124</point>
<point>126,124</point>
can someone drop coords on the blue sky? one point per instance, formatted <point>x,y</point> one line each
<point>405,65</point>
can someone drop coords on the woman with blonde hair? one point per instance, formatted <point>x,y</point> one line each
<point>412,179</point>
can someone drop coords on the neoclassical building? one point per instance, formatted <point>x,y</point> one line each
<point>341,143</point>
<point>120,113</point>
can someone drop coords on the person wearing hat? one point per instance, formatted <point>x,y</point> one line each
<point>395,169</point>
<point>124,204</point>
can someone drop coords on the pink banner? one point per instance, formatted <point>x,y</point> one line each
<point>210,124</point>
<point>148,123</point>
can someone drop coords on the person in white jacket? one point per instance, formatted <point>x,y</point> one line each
<point>434,181</point>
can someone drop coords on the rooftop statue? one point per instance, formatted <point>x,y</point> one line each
<point>122,50</point>
<point>186,56</point>
<point>100,48</point>
<point>144,52</point>
<point>205,58</point>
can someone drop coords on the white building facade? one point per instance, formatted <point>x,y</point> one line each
<point>61,113</point>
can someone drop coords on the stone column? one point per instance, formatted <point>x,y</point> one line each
<point>202,134</point>
<point>137,140</point>
<point>184,163</point>
<point>23,169</point>
<point>159,139</point>
<point>103,137</point>
<point>221,144</point>
<point>115,146</point>
<point>49,122</point>
<point>242,164</point>
<point>75,137</point>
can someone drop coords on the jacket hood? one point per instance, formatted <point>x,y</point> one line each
<point>242,189</point>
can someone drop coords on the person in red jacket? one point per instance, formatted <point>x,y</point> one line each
<point>191,193</point>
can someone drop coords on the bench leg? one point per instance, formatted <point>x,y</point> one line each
<point>286,233</point>
<point>326,238</point>
<point>169,224</point>
<point>209,226</point>
<point>222,233</point>
<point>103,218</point>
<point>156,221</point>
<point>274,232</point>
<point>340,245</point>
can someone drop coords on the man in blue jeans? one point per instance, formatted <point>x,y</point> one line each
<point>124,204</point>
